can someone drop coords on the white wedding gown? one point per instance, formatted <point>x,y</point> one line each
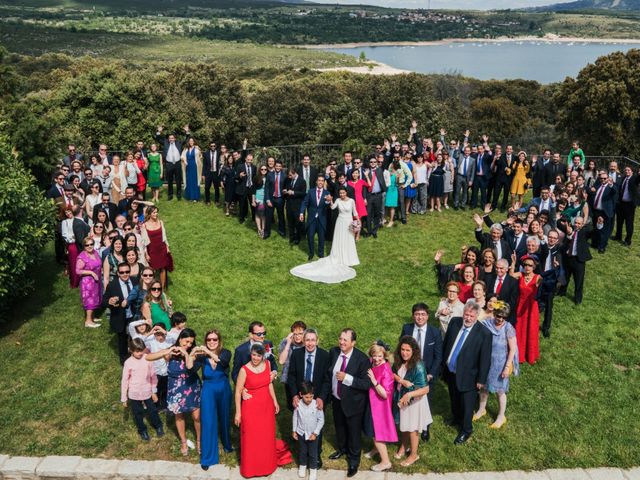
<point>336,267</point>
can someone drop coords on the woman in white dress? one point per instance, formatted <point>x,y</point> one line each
<point>336,267</point>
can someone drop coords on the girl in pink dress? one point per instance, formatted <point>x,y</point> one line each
<point>89,268</point>
<point>380,398</point>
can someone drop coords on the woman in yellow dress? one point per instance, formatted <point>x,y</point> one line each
<point>520,182</point>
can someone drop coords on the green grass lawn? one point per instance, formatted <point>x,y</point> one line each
<point>578,407</point>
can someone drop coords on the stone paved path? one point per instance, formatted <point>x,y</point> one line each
<point>66,468</point>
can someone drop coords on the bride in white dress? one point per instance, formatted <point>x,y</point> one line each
<point>336,267</point>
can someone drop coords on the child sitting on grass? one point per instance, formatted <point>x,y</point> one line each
<point>138,387</point>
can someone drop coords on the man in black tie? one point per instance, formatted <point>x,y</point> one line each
<point>211,174</point>
<point>375,197</point>
<point>115,299</point>
<point>577,255</point>
<point>310,365</point>
<point>467,358</point>
<point>430,342</point>
<point>244,184</point>
<point>274,196</point>
<point>294,191</point>
<point>628,200</point>
<point>350,386</point>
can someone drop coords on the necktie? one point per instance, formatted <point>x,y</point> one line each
<point>574,247</point>
<point>127,287</point>
<point>373,178</point>
<point>306,176</point>
<point>480,165</point>
<point>499,287</point>
<point>277,192</point>
<point>598,202</point>
<point>456,351</point>
<point>343,367</point>
<point>625,183</point>
<point>308,370</point>
<point>419,340</point>
<point>248,175</point>
<point>318,193</point>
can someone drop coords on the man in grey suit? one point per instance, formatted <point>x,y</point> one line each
<point>465,172</point>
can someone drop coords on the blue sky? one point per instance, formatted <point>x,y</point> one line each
<point>451,4</point>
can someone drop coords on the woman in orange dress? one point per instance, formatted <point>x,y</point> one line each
<point>256,416</point>
<point>527,312</point>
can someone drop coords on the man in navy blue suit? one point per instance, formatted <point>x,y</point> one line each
<point>274,196</point>
<point>315,203</point>
<point>430,343</point>
<point>603,197</point>
<point>242,353</point>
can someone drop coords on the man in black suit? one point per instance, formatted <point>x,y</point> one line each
<point>504,287</point>
<point>342,183</point>
<point>315,203</point>
<point>350,386</point>
<point>124,205</point>
<point>115,299</point>
<point>211,173</point>
<point>307,172</point>
<point>347,166</point>
<point>171,151</point>
<point>494,239</point>
<point>72,155</point>
<point>310,365</point>
<point>242,353</point>
<point>504,175</point>
<point>80,228</point>
<point>467,358</point>
<point>603,197</point>
<point>110,208</point>
<point>375,196</point>
<point>430,343</point>
<point>554,168</point>
<point>274,196</point>
<point>577,255</point>
<point>482,177</point>
<point>57,188</point>
<point>628,200</point>
<point>537,171</point>
<point>552,275</point>
<point>245,172</point>
<point>88,181</point>
<point>294,191</point>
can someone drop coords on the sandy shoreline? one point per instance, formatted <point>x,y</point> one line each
<point>376,69</point>
<point>546,38</point>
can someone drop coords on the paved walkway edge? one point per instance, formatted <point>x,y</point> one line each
<point>67,468</point>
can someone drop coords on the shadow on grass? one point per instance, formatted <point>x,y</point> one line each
<point>41,296</point>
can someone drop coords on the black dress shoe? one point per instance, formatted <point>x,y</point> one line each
<point>204,467</point>
<point>145,436</point>
<point>160,432</point>
<point>336,455</point>
<point>546,333</point>
<point>626,243</point>
<point>426,436</point>
<point>462,438</point>
<point>310,257</point>
<point>374,235</point>
<point>352,471</point>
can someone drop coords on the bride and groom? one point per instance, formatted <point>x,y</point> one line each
<point>336,267</point>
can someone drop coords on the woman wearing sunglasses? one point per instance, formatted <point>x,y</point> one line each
<point>156,306</point>
<point>88,266</point>
<point>504,361</point>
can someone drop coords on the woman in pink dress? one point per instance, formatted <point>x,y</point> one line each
<point>527,312</point>
<point>359,187</point>
<point>88,267</point>
<point>380,399</point>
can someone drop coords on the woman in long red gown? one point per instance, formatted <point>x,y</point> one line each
<point>256,416</point>
<point>527,313</point>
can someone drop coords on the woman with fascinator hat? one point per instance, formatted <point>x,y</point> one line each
<point>527,311</point>
<point>504,361</point>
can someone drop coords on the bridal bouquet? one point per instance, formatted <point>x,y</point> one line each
<point>355,226</point>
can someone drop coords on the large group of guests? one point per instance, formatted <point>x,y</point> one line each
<point>115,249</point>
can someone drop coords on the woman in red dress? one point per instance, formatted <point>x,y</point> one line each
<point>466,283</point>
<point>141,185</point>
<point>527,313</point>
<point>154,238</point>
<point>256,416</point>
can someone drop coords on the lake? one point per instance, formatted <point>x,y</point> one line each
<point>544,61</point>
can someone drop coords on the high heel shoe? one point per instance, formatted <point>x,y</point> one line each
<point>477,417</point>
<point>184,449</point>
<point>495,425</point>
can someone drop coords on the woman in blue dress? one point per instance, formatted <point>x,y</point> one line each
<point>391,198</point>
<point>409,192</point>
<point>183,386</point>
<point>192,170</point>
<point>215,400</point>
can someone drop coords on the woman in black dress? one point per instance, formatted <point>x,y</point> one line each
<point>331,184</point>
<point>227,175</point>
<point>435,190</point>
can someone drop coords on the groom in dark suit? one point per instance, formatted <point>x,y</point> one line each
<point>315,203</point>
<point>466,362</point>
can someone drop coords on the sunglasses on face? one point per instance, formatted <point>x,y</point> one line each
<point>156,289</point>
<point>147,275</point>
<point>260,334</point>
<point>124,272</point>
<point>99,227</point>
<point>212,339</point>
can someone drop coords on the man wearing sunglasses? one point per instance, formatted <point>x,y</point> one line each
<point>115,299</point>
<point>242,354</point>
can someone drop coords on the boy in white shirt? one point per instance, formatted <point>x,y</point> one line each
<point>308,421</point>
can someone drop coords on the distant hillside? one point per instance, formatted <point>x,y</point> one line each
<point>617,5</point>
<point>149,5</point>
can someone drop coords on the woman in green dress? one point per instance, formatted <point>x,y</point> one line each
<point>156,306</point>
<point>155,171</point>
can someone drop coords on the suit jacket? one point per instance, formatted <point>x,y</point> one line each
<point>241,182</point>
<point>165,144</point>
<point>316,212</point>
<point>118,318</point>
<point>474,359</point>
<point>354,397</point>
<point>67,160</point>
<point>609,198</point>
<point>486,241</point>
<point>583,254</point>
<point>54,192</point>
<point>351,193</point>
<point>270,185</point>
<point>111,208</point>
<point>299,191</point>
<point>242,355</point>
<point>313,175</point>
<point>80,231</point>
<point>552,170</point>
<point>471,167</point>
<point>321,378</point>
<point>509,293</point>
<point>432,351</point>
<point>343,169</point>
<point>379,177</point>
<point>501,165</point>
<point>633,186</point>
<point>537,173</point>
<point>207,158</point>
<point>521,247</point>
<point>487,158</point>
